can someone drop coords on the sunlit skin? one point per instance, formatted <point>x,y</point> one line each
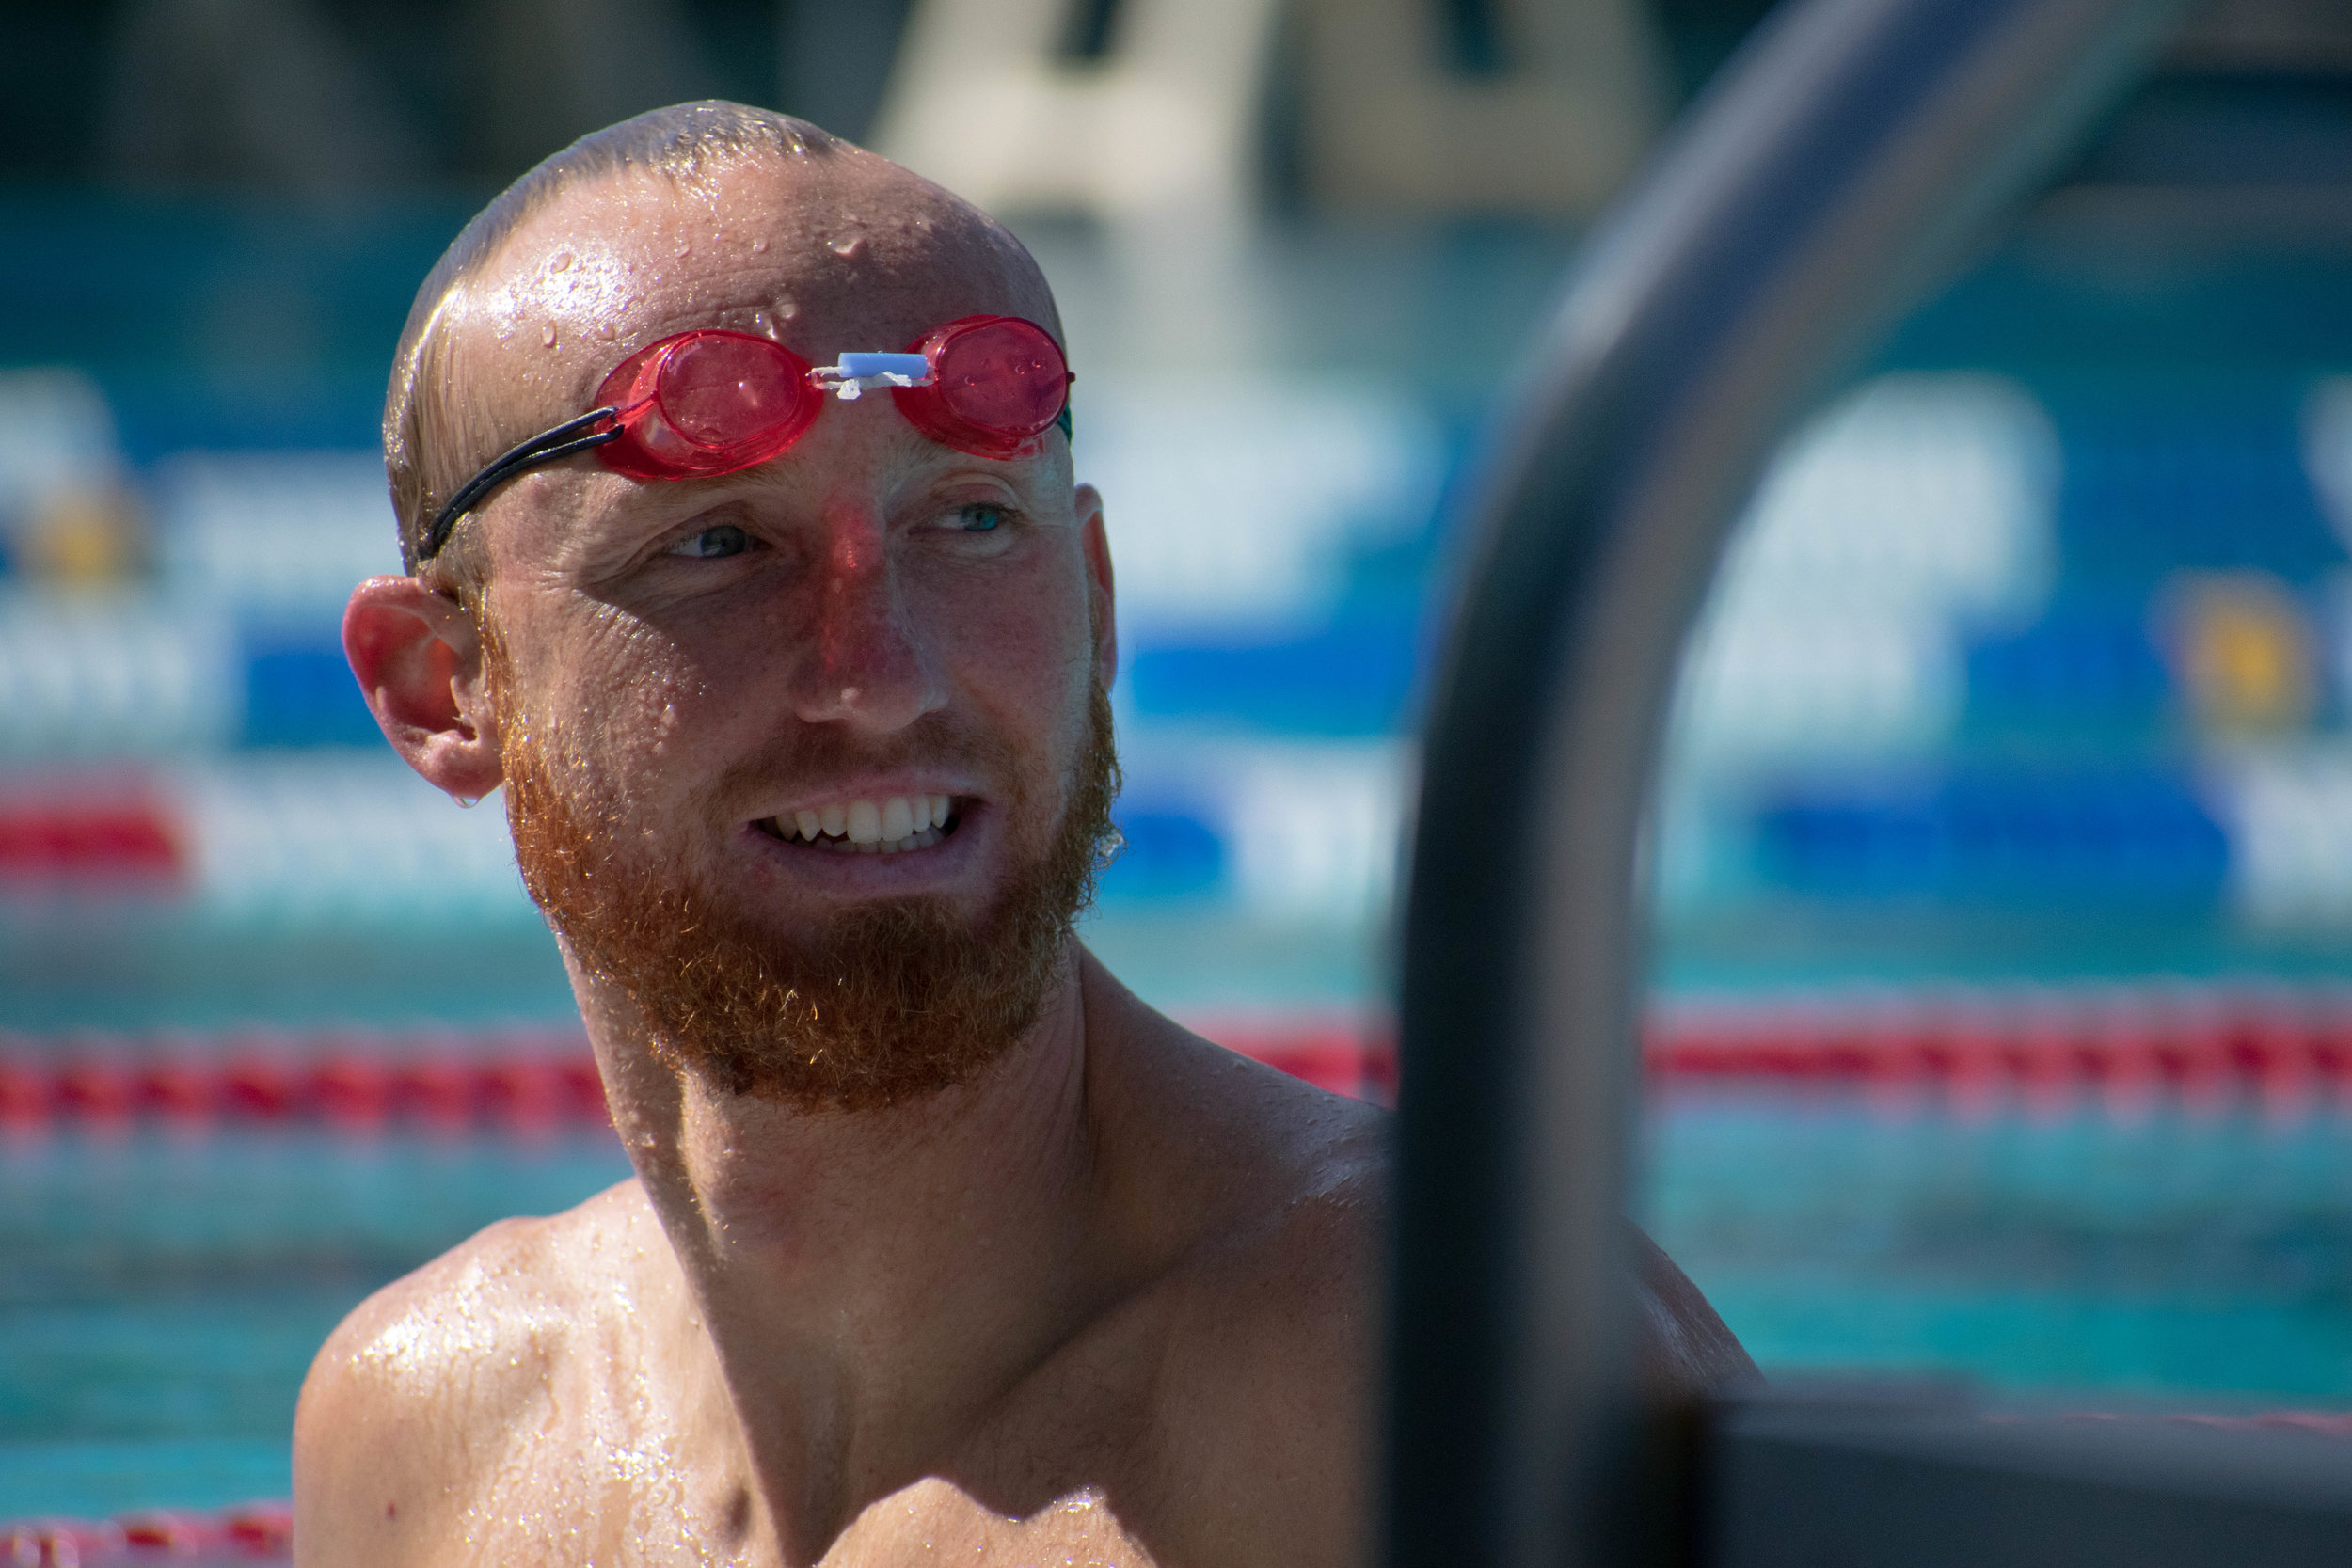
<point>1116,1300</point>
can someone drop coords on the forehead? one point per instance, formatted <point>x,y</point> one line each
<point>840,252</point>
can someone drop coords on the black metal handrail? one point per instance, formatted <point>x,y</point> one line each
<point>1851,153</point>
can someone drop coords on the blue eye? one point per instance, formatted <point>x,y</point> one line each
<point>713,543</point>
<point>983,519</point>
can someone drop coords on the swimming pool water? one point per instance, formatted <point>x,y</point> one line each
<point>2170,1251</point>
<point>162,1298</point>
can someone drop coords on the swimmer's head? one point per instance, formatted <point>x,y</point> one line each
<point>744,219</point>
<point>717,704</point>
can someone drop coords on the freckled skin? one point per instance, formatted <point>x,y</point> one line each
<point>1114,1301</point>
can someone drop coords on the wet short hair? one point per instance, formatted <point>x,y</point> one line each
<point>426,454</point>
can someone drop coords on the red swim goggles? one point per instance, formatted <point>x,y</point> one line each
<point>712,403</point>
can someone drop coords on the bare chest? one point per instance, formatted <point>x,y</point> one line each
<point>935,1521</point>
<point>623,1465</point>
<point>632,1523</point>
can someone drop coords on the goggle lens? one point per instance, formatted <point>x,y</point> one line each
<point>727,392</point>
<point>706,402</point>
<point>1005,377</point>
<point>997,383</point>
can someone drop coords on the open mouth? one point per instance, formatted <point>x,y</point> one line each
<point>890,826</point>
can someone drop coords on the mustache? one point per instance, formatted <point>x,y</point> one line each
<point>816,754</point>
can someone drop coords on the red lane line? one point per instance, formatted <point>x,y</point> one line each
<point>2130,1046</point>
<point>251,1532</point>
<point>112,840</point>
<point>429,1083</point>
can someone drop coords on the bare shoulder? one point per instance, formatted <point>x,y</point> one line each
<point>1285,1293</point>
<point>1308,1227</point>
<point>1269,1317</point>
<point>1303,1255</point>
<point>1280,1335</point>
<point>426,1384</point>
<point>1281,1187</point>
<point>1274,1319</point>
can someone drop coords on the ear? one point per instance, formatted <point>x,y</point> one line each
<point>1095,541</point>
<point>419,660</point>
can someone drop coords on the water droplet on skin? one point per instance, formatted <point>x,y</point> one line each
<point>853,246</point>
<point>684,248</point>
<point>759,247</point>
<point>561,262</point>
<point>789,310</point>
<point>546,335</point>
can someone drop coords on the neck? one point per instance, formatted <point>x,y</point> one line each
<point>873,1282</point>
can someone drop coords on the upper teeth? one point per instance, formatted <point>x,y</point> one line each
<point>895,822</point>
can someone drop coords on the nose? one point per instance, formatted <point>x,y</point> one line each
<point>868,665</point>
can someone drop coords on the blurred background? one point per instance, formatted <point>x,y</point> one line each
<point>2002,862</point>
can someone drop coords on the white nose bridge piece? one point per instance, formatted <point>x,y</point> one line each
<point>858,373</point>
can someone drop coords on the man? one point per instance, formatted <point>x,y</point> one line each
<point>942,1245</point>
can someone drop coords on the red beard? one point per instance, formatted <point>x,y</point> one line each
<point>878,1005</point>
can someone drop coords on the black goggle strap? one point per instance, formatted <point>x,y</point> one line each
<point>546,447</point>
